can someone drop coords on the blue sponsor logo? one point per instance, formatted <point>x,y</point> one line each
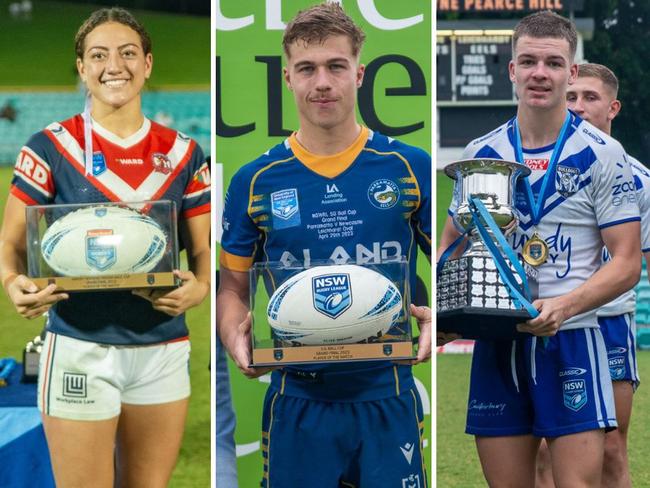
<point>595,137</point>
<point>620,188</point>
<point>332,294</point>
<point>617,368</point>
<point>383,194</point>
<point>572,372</point>
<point>575,394</point>
<point>285,208</point>
<point>99,164</point>
<point>101,254</point>
<point>617,350</point>
<point>567,179</point>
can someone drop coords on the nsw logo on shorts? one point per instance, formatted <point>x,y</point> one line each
<point>617,368</point>
<point>285,208</point>
<point>575,394</point>
<point>332,294</point>
<point>74,385</point>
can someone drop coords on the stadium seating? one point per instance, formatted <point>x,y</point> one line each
<point>186,111</point>
<point>643,310</point>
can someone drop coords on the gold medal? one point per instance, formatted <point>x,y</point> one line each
<point>535,250</point>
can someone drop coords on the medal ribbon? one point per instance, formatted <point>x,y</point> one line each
<point>521,296</point>
<point>88,136</point>
<point>537,206</point>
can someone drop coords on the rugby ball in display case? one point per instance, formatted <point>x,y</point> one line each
<point>343,304</point>
<point>103,240</point>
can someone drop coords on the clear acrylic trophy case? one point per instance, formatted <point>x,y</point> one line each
<point>329,312</point>
<point>103,246</point>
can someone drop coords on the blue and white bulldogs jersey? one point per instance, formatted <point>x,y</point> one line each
<point>627,301</point>
<point>592,189</point>
<point>370,203</point>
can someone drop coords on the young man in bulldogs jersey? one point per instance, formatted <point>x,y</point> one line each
<point>559,387</point>
<point>594,98</point>
<point>326,425</point>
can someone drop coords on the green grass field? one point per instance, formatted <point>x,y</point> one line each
<point>456,458</point>
<point>457,461</point>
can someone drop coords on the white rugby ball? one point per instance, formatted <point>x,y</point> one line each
<point>333,305</point>
<point>103,240</point>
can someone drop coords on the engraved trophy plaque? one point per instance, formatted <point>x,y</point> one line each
<point>473,299</point>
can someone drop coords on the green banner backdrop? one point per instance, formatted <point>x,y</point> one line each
<point>255,111</point>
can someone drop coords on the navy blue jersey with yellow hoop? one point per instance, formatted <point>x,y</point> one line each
<point>367,204</point>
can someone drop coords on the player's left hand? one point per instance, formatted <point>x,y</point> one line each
<point>176,301</point>
<point>423,317</point>
<point>553,312</point>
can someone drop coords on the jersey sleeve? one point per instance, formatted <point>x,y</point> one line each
<point>642,184</point>
<point>614,192</point>
<point>196,196</point>
<point>422,216</point>
<point>240,234</point>
<point>32,180</point>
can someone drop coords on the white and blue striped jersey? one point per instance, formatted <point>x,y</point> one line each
<point>626,303</point>
<point>592,189</point>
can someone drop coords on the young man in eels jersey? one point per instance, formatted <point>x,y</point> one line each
<point>355,424</point>
<point>579,196</point>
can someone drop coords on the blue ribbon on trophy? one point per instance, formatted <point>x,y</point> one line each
<point>484,294</point>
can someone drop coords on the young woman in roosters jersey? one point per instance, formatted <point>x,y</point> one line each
<point>127,352</point>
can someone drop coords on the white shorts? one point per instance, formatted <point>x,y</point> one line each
<point>81,380</point>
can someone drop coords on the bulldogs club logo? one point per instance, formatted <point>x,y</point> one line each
<point>161,163</point>
<point>567,180</point>
<point>332,294</point>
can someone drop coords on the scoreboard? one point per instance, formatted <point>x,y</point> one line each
<point>474,68</point>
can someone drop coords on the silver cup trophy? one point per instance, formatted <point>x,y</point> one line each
<point>472,298</point>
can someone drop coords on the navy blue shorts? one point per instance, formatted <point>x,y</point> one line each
<point>619,332</point>
<point>545,387</point>
<point>320,444</point>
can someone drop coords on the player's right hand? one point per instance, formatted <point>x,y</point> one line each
<point>28,300</point>
<point>238,344</point>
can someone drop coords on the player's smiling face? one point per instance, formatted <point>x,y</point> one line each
<point>541,70</point>
<point>114,65</point>
<point>593,101</point>
<point>324,78</point>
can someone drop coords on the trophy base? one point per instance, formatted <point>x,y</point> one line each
<point>109,282</point>
<point>332,353</point>
<point>482,323</point>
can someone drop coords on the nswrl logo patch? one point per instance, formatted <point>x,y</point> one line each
<point>332,294</point>
<point>101,251</point>
<point>617,368</point>
<point>285,208</point>
<point>575,394</point>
